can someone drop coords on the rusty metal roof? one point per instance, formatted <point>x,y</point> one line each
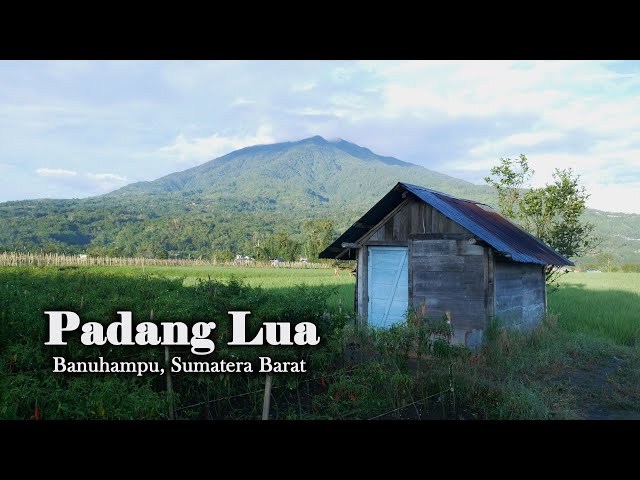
<point>480,219</point>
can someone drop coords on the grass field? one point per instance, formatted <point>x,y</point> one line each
<point>270,278</point>
<point>583,363</point>
<point>600,304</point>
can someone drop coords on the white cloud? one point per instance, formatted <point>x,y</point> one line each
<point>104,182</point>
<point>452,116</point>
<point>590,115</point>
<point>481,88</point>
<point>242,101</point>
<point>107,177</point>
<point>458,89</point>
<point>304,87</point>
<point>68,69</point>
<point>513,142</point>
<point>614,198</point>
<point>188,152</point>
<point>187,76</point>
<point>610,177</point>
<point>318,112</point>
<point>56,172</point>
<point>80,184</point>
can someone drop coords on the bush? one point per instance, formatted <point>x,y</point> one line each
<point>631,268</point>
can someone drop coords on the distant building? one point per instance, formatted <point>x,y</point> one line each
<point>243,260</point>
<point>276,262</point>
<point>458,257</point>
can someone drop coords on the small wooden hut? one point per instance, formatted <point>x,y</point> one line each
<point>459,257</point>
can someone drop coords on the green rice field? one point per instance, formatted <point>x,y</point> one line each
<point>276,280</point>
<point>600,304</point>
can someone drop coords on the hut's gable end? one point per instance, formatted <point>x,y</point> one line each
<point>413,217</point>
<point>519,294</point>
<point>450,277</point>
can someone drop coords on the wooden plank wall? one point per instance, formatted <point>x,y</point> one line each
<point>445,270</point>
<point>450,276</point>
<point>519,294</point>
<point>413,217</point>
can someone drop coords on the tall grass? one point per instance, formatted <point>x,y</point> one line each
<point>27,384</point>
<point>599,304</point>
<point>586,360</point>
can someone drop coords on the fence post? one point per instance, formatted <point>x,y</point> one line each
<point>169,382</point>
<point>453,391</point>
<point>167,369</point>
<point>267,398</point>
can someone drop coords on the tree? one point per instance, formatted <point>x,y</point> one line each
<point>224,255</point>
<point>511,177</point>
<point>552,213</point>
<point>319,234</point>
<point>280,245</point>
<point>607,261</point>
<point>288,248</point>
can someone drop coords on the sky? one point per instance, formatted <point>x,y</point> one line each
<point>72,129</point>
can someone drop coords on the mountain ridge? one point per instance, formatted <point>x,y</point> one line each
<point>179,180</point>
<point>233,201</point>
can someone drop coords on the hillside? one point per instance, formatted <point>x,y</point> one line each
<point>236,201</point>
<point>312,171</point>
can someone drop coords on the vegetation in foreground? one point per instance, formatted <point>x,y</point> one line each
<point>584,362</point>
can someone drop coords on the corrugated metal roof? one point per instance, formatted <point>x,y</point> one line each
<point>480,219</point>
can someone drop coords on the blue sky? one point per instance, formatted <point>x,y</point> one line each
<point>73,128</point>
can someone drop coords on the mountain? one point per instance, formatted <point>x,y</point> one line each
<point>303,173</point>
<point>239,200</point>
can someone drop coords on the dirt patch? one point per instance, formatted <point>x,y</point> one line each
<point>606,391</point>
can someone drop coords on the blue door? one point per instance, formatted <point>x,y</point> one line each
<point>388,285</point>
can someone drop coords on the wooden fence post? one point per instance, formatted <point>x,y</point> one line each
<point>267,398</point>
<point>167,371</point>
<point>169,382</point>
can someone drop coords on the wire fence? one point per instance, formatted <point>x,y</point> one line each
<point>261,391</point>
<point>410,405</point>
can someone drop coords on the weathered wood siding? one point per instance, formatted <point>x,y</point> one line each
<point>451,276</point>
<point>413,217</point>
<point>519,294</point>
<point>445,270</point>
<point>362,281</point>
